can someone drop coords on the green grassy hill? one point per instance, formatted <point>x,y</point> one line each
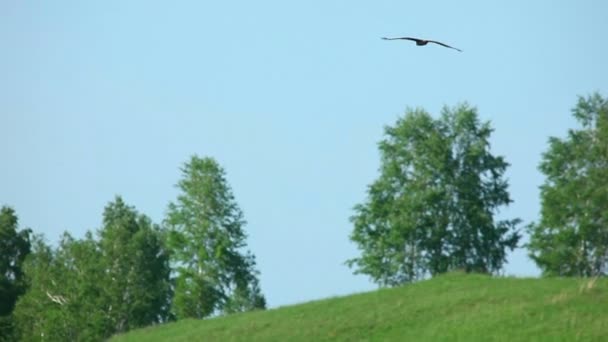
<point>454,307</point>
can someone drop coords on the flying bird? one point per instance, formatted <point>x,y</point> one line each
<point>422,42</point>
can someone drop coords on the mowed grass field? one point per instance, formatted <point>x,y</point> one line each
<point>453,307</point>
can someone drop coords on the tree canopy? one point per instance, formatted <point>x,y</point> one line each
<point>136,267</point>
<point>90,289</point>
<point>433,207</point>
<point>571,237</point>
<point>14,247</point>
<point>206,238</point>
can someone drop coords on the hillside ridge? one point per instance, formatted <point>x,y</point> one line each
<point>452,307</point>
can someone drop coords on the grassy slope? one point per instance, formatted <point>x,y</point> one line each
<point>454,307</point>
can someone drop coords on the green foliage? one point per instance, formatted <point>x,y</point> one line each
<point>14,247</point>
<point>206,237</point>
<point>432,208</point>
<point>571,237</point>
<point>136,266</point>
<point>63,302</point>
<point>453,307</point>
<point>89,289</point>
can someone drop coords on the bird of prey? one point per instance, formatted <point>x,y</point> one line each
<point>422,42</point>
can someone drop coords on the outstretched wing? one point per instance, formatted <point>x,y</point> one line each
<point>442,44</point>
<point>402,38</point>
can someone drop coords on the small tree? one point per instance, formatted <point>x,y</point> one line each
<point>14,247</point>
<point>63,302</point>
<point>571,238</point>
<point>206,239</point>
<point>90,289</point>
<point>432,208</point>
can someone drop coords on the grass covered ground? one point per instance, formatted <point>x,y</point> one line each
<point>454,307</point>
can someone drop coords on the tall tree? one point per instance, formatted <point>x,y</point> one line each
<point>571,238</point>
<point>14,247</point>
<point>206,239</point>
<point>136,268</point>
<point>432,208</point>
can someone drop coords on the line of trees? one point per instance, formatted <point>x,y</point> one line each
<point>432,210</point>
<point>131,273</point>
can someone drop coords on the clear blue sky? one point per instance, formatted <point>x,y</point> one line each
<point>99,98</point>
